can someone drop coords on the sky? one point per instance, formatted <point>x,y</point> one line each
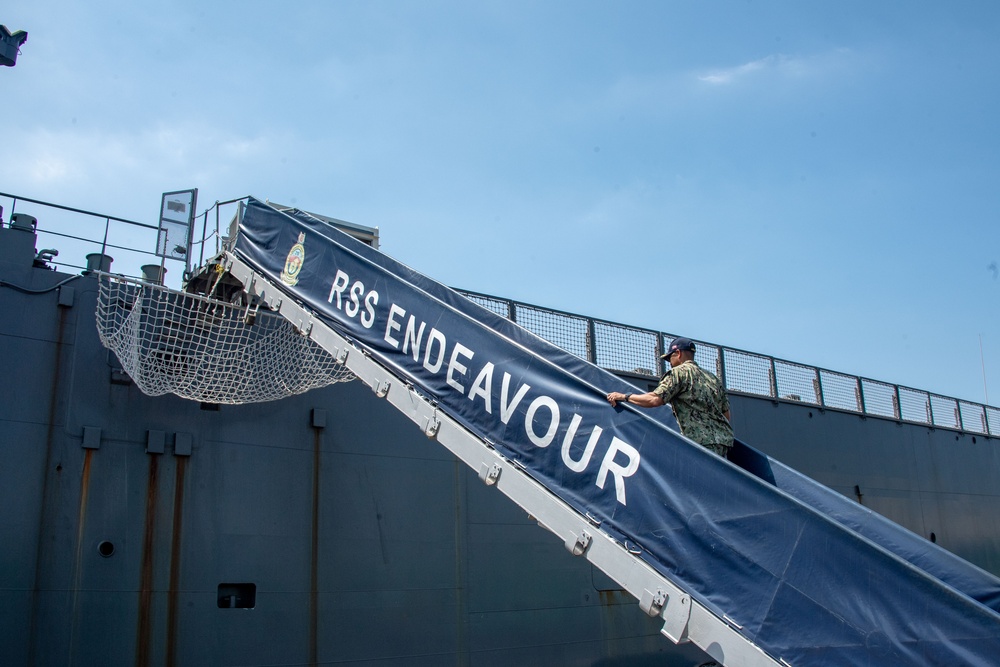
<point>819,182</point>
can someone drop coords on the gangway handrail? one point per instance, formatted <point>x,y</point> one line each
<point>684,618</point>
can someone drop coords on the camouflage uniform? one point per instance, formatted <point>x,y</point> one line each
<point>700,404</point>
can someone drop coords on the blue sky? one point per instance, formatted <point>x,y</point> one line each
<point>814,181</point>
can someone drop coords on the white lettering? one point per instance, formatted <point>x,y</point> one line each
<point>438,337</point>
<point>619,472</point>
<point>454,365</point>
<point>413,337</point>
<point>529,421</point>
<point>368,317</point>
<point>357,289</point>
<point>339,285</point>
<point>620,461</point>
<point>581,465</point>
<point>481,387</point>
<point>507,409</point>
<point>392,325</point>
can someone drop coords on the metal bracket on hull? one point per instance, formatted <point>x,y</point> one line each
<point>431,429</point>
<point>381,388</point>
<point>676,613</point>
<point>490,474</point>
<point>577,544</point>
<point>653,603</point>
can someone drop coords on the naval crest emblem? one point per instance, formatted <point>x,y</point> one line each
<point>294,261</point>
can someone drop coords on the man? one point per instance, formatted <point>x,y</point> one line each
<point>698,399</point>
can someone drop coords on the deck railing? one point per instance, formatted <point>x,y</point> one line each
<point>634,351</point>
<point>620,348</point>
<point>93,235</point>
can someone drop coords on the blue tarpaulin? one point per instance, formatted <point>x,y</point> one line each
<point>803,576</point>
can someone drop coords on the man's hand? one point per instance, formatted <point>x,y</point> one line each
<point>647,400</point>
<point>616,397</point>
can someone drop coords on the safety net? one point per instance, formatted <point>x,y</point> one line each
<point>207,350</point>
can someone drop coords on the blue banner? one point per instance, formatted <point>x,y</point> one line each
<point>799,584</point>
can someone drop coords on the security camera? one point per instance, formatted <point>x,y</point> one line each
<point>10,45</point>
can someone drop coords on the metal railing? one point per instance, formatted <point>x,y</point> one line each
<point>620,348</point>
<point>88,233</point>
<point>91,234</point>
<point>636,352</point>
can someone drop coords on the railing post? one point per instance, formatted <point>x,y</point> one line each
<point>204,229</point>
<point>661,364</point>
<point>591,341</point>
<point>773,372</point>
<point>720,365</point>
<point>104,243</point>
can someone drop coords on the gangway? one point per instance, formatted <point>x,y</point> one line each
<point>750,573</point>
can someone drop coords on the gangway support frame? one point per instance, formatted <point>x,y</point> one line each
<point>684,618</point>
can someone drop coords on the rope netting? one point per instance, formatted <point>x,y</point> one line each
<point>205,350</point>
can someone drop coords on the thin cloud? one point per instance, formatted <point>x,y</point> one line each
<point>779,64</point>
<point>729,75</point>
<point>67,158</point>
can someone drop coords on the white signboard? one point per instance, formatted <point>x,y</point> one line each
<point>173,240</point>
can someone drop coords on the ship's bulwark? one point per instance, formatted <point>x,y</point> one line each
<point>416,562</point>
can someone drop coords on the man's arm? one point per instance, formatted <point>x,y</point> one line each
<point>647,400</point>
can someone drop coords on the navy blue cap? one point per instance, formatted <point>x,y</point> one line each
<point>678,344</point>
